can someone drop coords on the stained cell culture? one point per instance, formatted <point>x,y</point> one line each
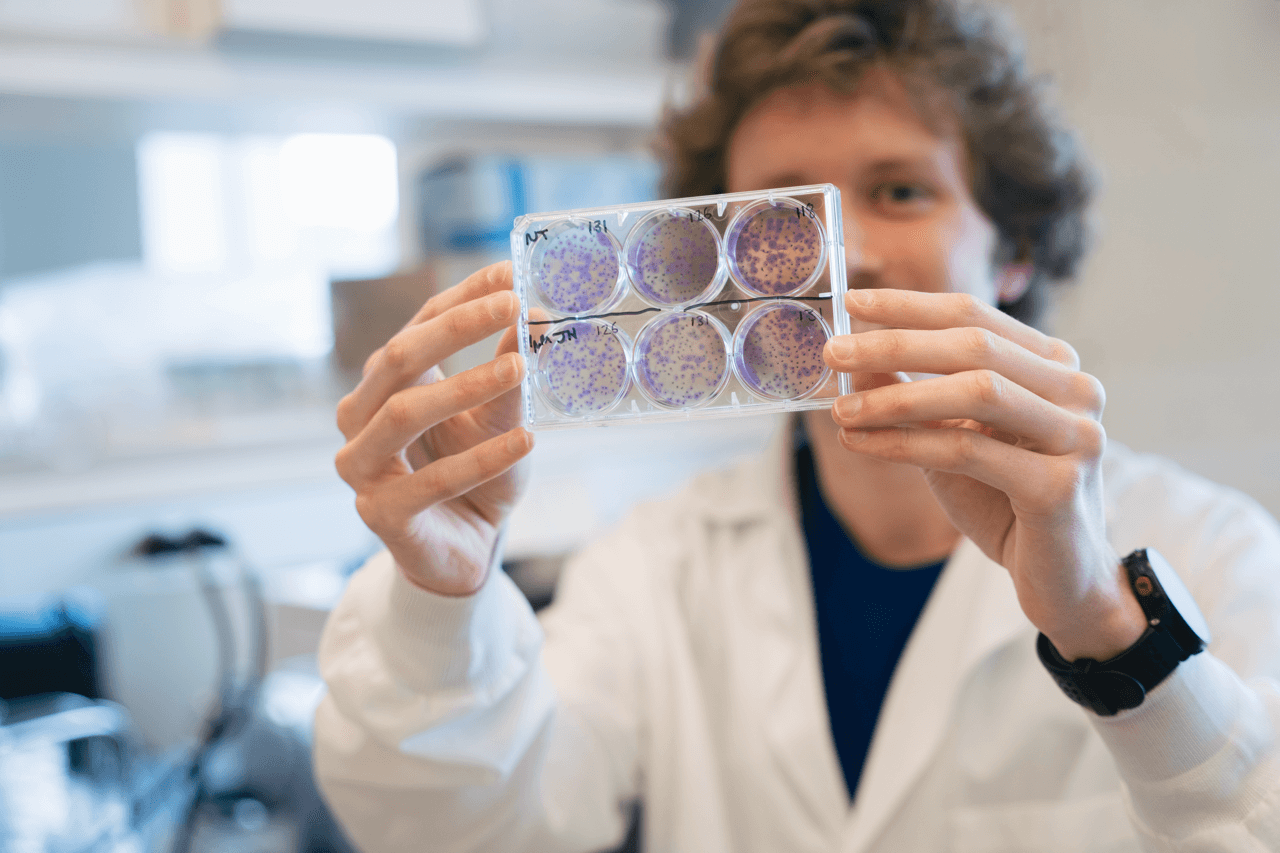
<point>583,367</point>
<point>673,258</point>
<point>681,359</point>
<point>575,268</point>
<point>778,351</point>
<point>776,249</point>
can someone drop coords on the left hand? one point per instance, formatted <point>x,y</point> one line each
<point>1010,440</point>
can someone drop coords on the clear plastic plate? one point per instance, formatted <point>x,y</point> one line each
<point>715,306</point>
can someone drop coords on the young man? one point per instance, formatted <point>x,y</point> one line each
<point>848,643</point>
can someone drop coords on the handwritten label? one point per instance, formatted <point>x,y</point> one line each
<point>597,226</point>
<point>703,213</point>
<point>559,337</point>
<point>532,237</point>
<point>806,210</point>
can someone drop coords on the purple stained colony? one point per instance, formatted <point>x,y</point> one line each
<point>778,351</point>
<point>582,366</point>
<point>777,249</point>
<point>673,257</point>
<point>681,359</point>
<point>575,267</point>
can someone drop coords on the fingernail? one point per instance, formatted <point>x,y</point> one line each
<point>517,441</point>
<point>508,368</point>
<point>853,436</point>
<point>848,406</point>
<point>858,298</point>
<point>500,306</point>
<point>841,346</point>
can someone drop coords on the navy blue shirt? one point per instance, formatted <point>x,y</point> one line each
<point>865,614</point>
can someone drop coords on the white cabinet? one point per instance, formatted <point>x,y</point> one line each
<point>590,62</point>
<point>454,22</point>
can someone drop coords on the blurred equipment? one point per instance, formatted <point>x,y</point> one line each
<point>81,773</point>
<point>51,647</point>
<point>183,635</point>
<point>467,203</point>
<point>251,775</point>
<point>70,779</point>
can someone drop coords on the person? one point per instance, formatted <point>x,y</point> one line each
<point>844,643</point>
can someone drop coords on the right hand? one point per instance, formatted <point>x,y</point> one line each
<point>433,459</point>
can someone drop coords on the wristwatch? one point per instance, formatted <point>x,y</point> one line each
<point>1176,630</point>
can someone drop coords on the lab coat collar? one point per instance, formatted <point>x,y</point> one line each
<point>972,611</point>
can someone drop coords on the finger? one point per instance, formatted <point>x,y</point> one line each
<point>508,342</point>
<point>956,350</point>
<point>868,381</point>
<point>982,396</point>
<point>413,411</point>
<point>417,348</point>
<point>497,415</point>
<point>491,279</point>
<point>539,317</point>
<point>1033,482</point>
<point>908,309</point>
<point>391,506</point>
<point>503,411</point>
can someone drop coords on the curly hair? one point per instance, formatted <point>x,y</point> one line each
<point>1026,171</point>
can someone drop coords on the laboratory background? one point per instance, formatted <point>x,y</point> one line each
<point>211,213</point>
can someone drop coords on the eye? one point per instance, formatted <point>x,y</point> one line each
<point>902,198</point>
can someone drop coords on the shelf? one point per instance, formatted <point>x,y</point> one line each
<point>596,95</point>
<point>161,478</point>
<point>581,481</point>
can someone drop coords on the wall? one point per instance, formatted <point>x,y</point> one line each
<point>84,193</point>
<point>1179,103</point>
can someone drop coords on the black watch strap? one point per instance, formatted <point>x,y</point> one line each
<point>1111,686</point>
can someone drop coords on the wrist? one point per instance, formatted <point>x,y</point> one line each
<point>456,573</point>
<point>1105,625</point>
<point>1175,630</point>
<point>449,587</point>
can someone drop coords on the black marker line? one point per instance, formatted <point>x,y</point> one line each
<point>686,308</point>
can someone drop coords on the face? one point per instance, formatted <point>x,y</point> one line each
<point>910,221</point>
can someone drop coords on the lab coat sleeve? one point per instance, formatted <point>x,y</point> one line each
<point>1200,757</point>
<point>444,729</point>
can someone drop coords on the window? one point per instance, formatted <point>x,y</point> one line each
<point>227,310</point>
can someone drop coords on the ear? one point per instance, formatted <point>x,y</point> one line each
<point>1012,281</point>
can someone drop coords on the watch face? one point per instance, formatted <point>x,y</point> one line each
<point>1178,594</point>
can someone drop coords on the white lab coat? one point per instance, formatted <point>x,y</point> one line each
<point>679,664</point>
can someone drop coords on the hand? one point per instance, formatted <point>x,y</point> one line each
<point>433,460</point>
<point>1010,441</point>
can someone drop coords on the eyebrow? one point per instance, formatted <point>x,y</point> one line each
<point>884,166</point>
<point>786,179</point>
<point>890,165</point>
